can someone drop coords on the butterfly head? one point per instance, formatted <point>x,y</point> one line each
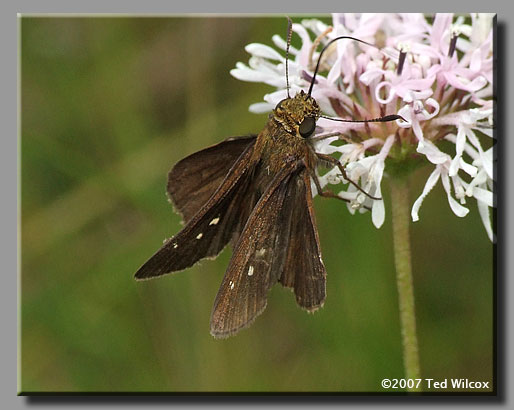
<point>298,114</point>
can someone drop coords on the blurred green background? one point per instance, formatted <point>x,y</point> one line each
<point>108,106</point>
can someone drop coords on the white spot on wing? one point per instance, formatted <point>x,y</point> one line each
<point>250,271</point>
<point>215,221</point>
<point>175,246</point>
<point>199,236</point>
<point>231,285</point>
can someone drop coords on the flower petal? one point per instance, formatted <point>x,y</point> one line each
<point>440,26</point>
<point>378,213</point>
<point>261,107</point>
<point>485,157</point>
<point>244,73</point>
<point>282,44</point>
<point>261,50</point>
<point>378,208</point>
<point>457,208</point>
<point>431,181</point>
<point>433,154</point>
<point>459,149</point>
<point>483,195</point>
<point>390,95</point>
<point>468,169</point>
<point>483,210</point>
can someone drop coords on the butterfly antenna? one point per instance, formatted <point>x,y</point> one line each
<point>385,118</point>
<point>322,51</point>
<point>289,32</point>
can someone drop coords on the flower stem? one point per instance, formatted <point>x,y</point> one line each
<point>402,258</point>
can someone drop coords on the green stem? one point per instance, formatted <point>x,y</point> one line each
<point>402,258</point>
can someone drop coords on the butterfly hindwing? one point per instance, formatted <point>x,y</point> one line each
<point>193,180</point>
<point>210,229</point>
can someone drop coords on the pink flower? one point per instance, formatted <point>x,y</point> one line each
<point>437,75</point>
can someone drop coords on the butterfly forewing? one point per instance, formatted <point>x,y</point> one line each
<point>210,229</point>
<point>250,274</point>
<point>193,180</point>
<point>303,268</point>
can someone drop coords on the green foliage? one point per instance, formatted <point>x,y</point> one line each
<point>108,106</point>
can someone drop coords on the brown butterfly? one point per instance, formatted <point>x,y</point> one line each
<point>254,192</point>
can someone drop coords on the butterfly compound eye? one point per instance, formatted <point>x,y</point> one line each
<point>307,127</point>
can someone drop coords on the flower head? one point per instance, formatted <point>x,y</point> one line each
<point>434,72</point>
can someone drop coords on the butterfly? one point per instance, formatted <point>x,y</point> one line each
<point>254,192</point>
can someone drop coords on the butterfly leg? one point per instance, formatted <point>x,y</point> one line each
<point>321,137</point>
<point>325,136</point>
<point>336,163</point>
<point>329,194</point>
